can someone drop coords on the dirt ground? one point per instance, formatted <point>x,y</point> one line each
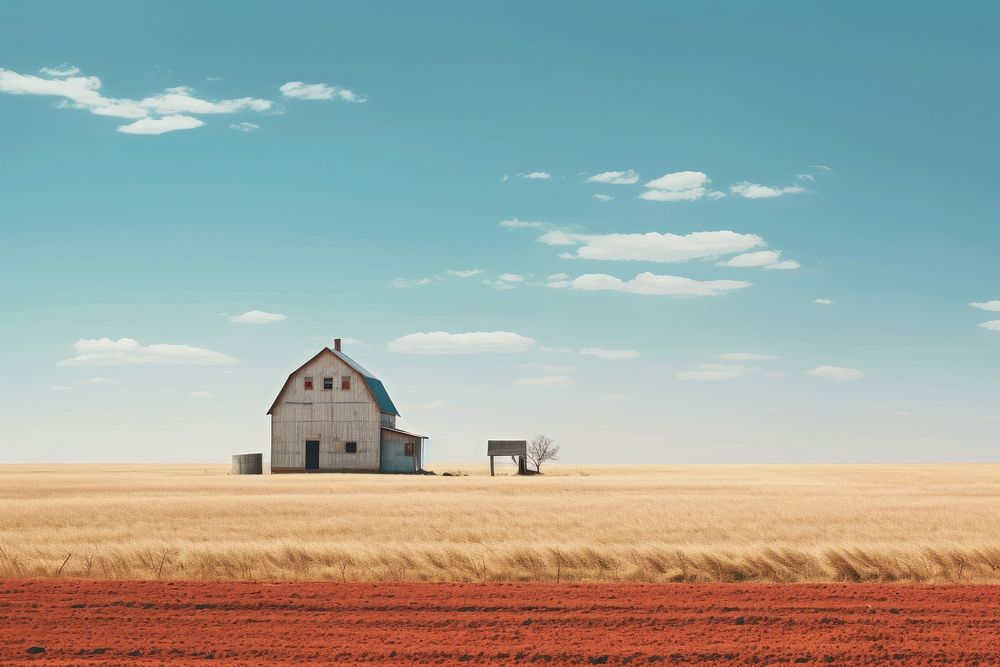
<point>148,622</point>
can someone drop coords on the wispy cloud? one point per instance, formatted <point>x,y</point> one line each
<point>443,342</point>
<point>986,305</point>
<point>536,175</point>
<point>404,283</point>
<point>168,111</point>
<point>654,246</point>
<point>257,317</point>
<point>103,352</point>
<point>160,125</point>
<point>823,302</point>
<point>677,186</point>
<point>627,177</point>
<point>992,325</point>
<point>245,127</point>
<point>749,190</point>
<point>463,273</point>
<point>514,223</point>
<point>836,373</point>
<point>651,285</point>
<point>61,71</point>
<point>766,259</point>
<point>320,91</point>
<point>600,197</point>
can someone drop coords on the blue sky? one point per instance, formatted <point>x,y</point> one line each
<point>338,161</point>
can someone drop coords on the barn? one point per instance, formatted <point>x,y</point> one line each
<point>332,415</point>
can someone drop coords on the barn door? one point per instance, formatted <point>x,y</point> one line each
<point>312,454</point>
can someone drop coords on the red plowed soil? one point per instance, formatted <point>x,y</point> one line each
<point>85,622</point>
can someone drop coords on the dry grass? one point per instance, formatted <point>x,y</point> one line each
<point>601,523</point>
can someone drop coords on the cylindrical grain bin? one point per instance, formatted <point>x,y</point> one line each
<point>247,464</point>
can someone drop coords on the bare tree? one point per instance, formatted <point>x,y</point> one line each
<point>541,448</point>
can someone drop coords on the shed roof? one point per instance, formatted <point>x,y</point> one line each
<point>374,385</point>
<point>507,448</point>
<point>399,430</point>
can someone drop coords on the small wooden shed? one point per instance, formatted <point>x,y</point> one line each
<point>516,449</point>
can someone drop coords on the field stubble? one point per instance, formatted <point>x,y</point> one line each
<point>915,523</point>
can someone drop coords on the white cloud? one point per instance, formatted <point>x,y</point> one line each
<point>546,381</point>
<point>992,325</point>
<point>319,91</point>
<point>715,372</point>
<point>806,177</point>
<point>203,394</point>
<point>442,342</point>
<point>823,302</point>
<point>98,380</point>
<point>164,112</point>
<point>63,70</point>
<point>600,197</point>
<point>747,356</point>
<point>103,352</point>
<point>244,127</point>
<point>784,265</point>
<point>463,273</point>
<point>836,373</point>
<point>753,259</point>
<point>986,305</point>
<point>514,223</point>
<point>511,278</point>
<point>416,282</point>
<point>654,246</point>
<point>179,100</point>
<point>536,175</point>
<point>627,177</point>
<point>680,186</point>
<point>257,317</point>
<point>652,285</point>
<point>749,190</point>
<point>609,355</point>
<point>161,125</point>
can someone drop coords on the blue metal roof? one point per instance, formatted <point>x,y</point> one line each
<point>385,403</point>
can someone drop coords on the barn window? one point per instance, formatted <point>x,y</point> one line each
<point>345,383</point>
<point>327,384</point>
<point>308,383</point>
<point>408,449</point>
<point>351,447</point>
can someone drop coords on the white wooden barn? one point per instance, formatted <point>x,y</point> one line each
<point>332,415</point>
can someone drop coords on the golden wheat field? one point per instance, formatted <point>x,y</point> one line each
<point>778,523</point>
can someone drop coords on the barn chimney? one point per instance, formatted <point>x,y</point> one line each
<point>336,344</point>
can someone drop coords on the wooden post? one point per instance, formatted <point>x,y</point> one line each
<point>491,466</point>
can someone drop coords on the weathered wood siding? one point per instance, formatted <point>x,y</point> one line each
<point>388,420</point>
<point>394,457</point>
<point>334,417</point>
